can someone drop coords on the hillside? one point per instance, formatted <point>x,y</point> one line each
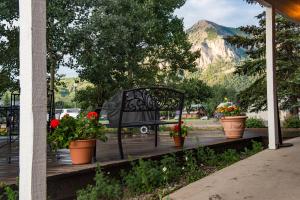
<point>208,37</point>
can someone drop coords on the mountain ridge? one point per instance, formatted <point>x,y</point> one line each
<point>209,38</point>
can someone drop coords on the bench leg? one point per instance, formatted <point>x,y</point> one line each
<point>120,143</point>
<point>156,129</point>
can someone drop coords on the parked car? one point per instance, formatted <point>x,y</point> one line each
<point>73,112</point>
<point>204,118</point>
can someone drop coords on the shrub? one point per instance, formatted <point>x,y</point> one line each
<point>254,122</point>
<point>291,122</point>
<point>207,156</point>
<point>191,168</point>
<point>229,157</point>
<point>8,192</point>
<point>144,177</point>
<point>170,168</point>
<point>104,188</point>
<point>256,147</point>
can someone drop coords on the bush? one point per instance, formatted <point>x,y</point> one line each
<point>291,122</point>
<point>170,168</point>
<point>191,168</point>
<point>105,188</point>
<point>256,147</point>
<point>8,192</point>
<point>229,157</point>
<point>254,122</point>
<point>158,178</point>
<point>207,156</point>
<point>144,177</point>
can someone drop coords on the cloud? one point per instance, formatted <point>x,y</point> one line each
<point>233,13</point>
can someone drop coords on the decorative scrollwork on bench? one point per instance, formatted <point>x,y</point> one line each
<point>152,99</point>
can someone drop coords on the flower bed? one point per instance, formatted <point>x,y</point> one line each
<point>155,179</point>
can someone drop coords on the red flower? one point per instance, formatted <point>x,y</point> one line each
<point>92,115</point>
<point>54,123</point>
<point>176,128</point>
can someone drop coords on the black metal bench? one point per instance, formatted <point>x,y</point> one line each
<point>150,102</point>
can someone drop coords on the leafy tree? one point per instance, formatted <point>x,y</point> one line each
<point>196,92</point>
<point>130,43</point>
<point>288,64</point>
<point>221,73</point>
<point>92,97</point>
<point>61,15</point>
<point>9,45</point>
<point>6,81</point>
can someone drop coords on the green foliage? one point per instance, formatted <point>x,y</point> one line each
<point>61,16</point>
<point>144,177</point>
<point>211,33</point>
<point>131,43</point>
<point>254,122</point>
<point>156,177</point>
<point>254,97</point>
<point>8,193</point>
<point>207,156</point>
<point>63,134</point>
<point>104,188</point>
<point>67,88</point>
<point>229,157</point>
<point>9,45</point>
<point>7,81</point>
<point>221,73</point>
<point>256,147</point>
<point>196,91</point>
<point>175,130</point>
<point>170,168</point>
<point>291,122</point>
<point>191,168</point>
<point>70,129</point>
<point>96,96</point>
<point>6,99</point>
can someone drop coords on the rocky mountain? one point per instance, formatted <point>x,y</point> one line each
<point>208,37</point>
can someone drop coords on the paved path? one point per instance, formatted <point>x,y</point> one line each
<point>268,175</point>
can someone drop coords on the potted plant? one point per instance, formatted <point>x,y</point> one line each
<point>79,135</point>
<point>232,120</point>
<point>177,136</point>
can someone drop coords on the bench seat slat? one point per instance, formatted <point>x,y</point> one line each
<point>147,123</point>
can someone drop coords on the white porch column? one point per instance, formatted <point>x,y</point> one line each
<point>271,78</point>
<point>33,99</point>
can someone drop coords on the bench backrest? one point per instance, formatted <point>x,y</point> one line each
<point>152,99</point>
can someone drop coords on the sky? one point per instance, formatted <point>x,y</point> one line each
<point>232,13</point>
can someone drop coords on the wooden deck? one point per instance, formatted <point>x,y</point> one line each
<point>108,153</point>
<point>63,176</point>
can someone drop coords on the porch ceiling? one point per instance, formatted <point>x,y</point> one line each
<point>289,8</point>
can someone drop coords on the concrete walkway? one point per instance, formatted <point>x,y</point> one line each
<point>268,175</point>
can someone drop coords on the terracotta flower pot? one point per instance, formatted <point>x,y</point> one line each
<point>179,141</point>
<point>234,126</point>
<point>81,151</point>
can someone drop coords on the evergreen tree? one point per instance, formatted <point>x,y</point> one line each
<point>287,64</point>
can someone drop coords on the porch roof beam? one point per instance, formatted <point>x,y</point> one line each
<point>288,8</point>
